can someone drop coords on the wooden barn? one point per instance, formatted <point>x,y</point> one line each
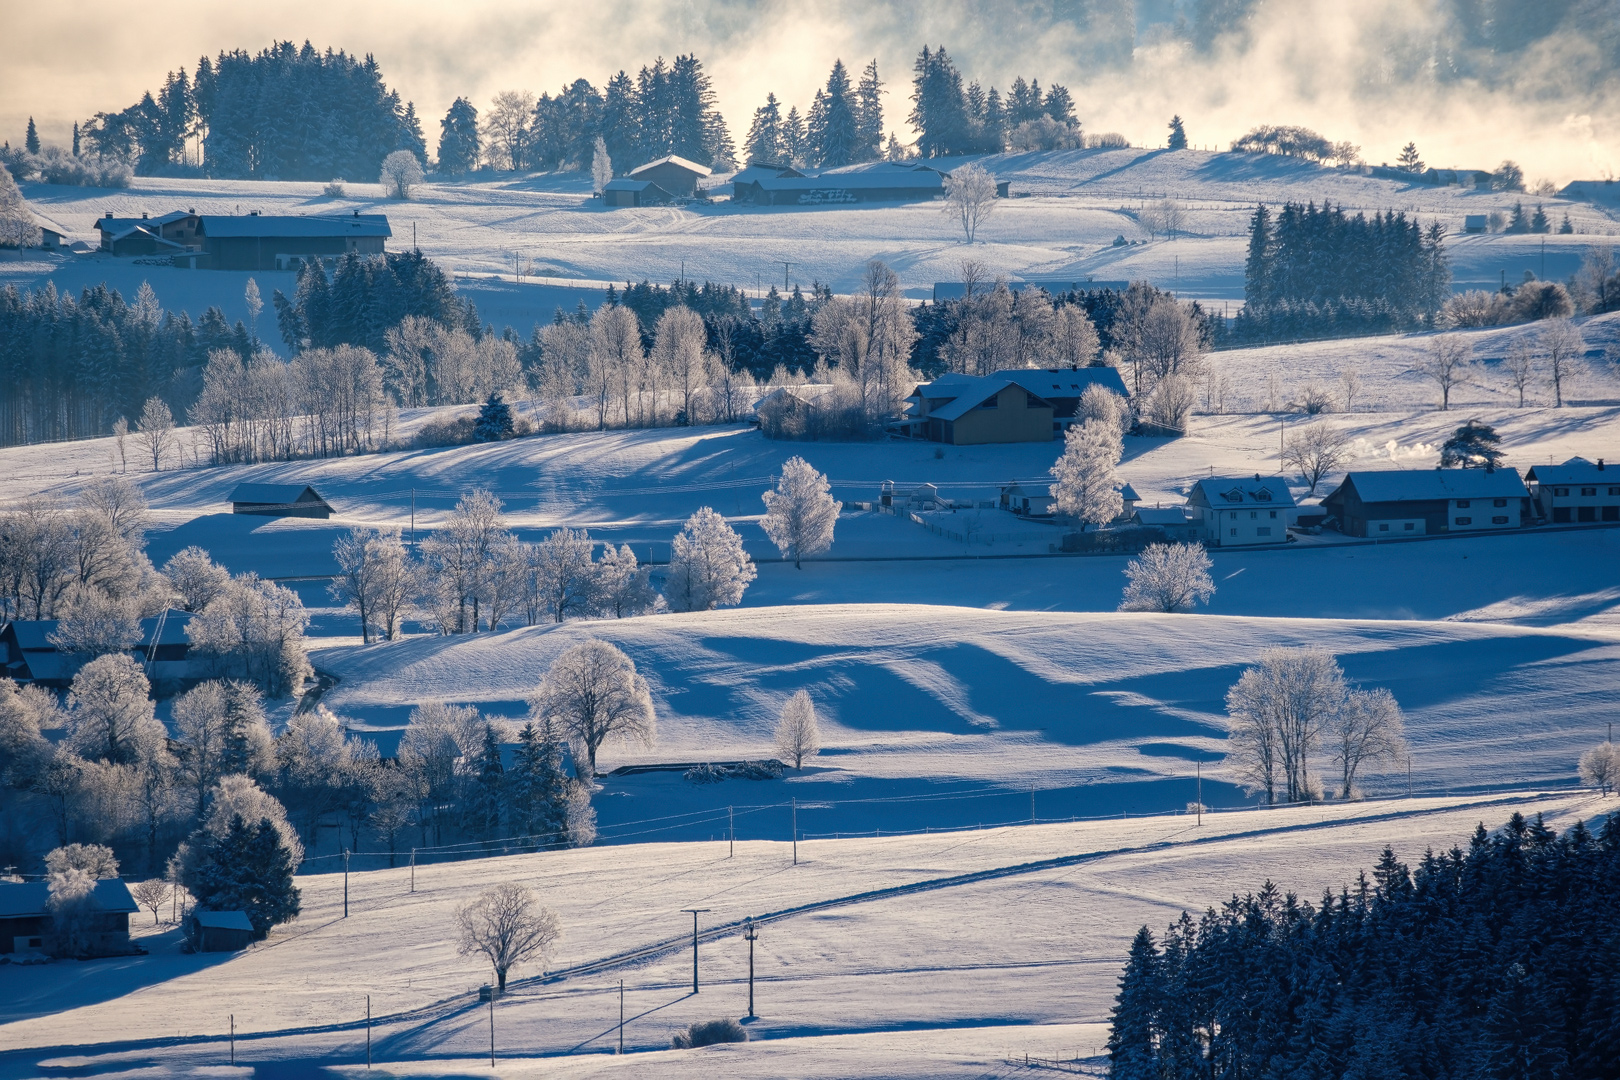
<point>279,500</point>
<point>673,174</point>
<point>221,931</point>
<point>255,241</point>
<point>635,193</point>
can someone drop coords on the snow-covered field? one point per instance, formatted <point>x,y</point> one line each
<point>918,956</point>
<point>1073,206</point>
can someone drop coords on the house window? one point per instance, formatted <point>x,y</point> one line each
<point>1614,491</point>
<point>991,404</point>
<point>1234,518</point>
<point>1500,502</point>
<point>1383,528</point>
<point>1234,532</point>
<point>1462,504</point>
<point>1560,492</point>
<point>1410,527</point>
<point>1253,514</point>
<point>1611,513</point>
<point>1274,515</point>
<point>1264,530</point>
<point>1465,521</point>
<point>1499,520</point>
<point>1588,491</point>
<point>1586,513</point>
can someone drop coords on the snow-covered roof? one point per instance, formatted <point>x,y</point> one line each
<point>1052,383</point>
<point>1127,493</point>
<point>223,920</point>
<point>925,179</point>
<point>144,230</point>
<point>755,170</point>
<point>673,159</point>
<point>1429,485</point>
<point>621,184</point>
<point>122,226</point>
<point>21,899</point>
<point>1224,492</point>
<point>1577,470</point>
<point>284,225</point>
<point>1163,515</point>
<point>273,494</point>
<point>972,397</point>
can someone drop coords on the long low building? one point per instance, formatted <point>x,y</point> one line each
<point>1387,503</point>
<point>882,181</point>
<point>251,241</point>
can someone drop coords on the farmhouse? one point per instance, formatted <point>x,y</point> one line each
<point>172,234</point>
<point>674,174</point>
<point>255,241</point>
<point>25,917</point>
<point>1576,491</point>
<point>1418,502</point>
<point>1240,511</point>
<point>881,181</point>
<point>1062,387</point>
<point>27,653</point>
<point>967,410</point>
<point>623,192</point>
<point>279,500</point>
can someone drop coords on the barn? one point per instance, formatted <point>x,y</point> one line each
<point>25,917</point>
<point>673,174</point>
<point>635,193</point>
<point>279,500</point>
<point>255,241</point>
<point>220,931</point>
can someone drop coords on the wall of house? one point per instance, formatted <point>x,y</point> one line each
<point>1015,418</point>
<point>1245,525</point>
<point>672,178</point>
<point>260,253</point>
<point>1579,502</point>
<point>1472,515</point>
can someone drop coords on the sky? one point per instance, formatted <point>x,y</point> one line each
<point>1473,82</point>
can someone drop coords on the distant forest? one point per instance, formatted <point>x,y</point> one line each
<point>1497,961</point>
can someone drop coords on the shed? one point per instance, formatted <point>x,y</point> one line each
<point>27,654</point>
<point>635,193</point>
<point>881,181</point>
<point>279,500</point>
<point>1474,223</point>
<point>673,174</point>
<point>1417,502</point>
<point>25,916</point>
<point>1176,522</point>
<point>255,241</point>
<point>221,931</point>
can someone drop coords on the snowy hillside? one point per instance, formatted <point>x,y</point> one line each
<point>1071,207</point>
<point>919,956</point>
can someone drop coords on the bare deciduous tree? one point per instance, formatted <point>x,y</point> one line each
<point>156,431</point>
<point>1349,388</point>
<point>970,196</point>
<point>1278,710</point>
<point>797,734</point>
<point>594,693</point>
<point>1367,727</point>
<point>152,894</point>
<point>1565,349</point>
<point>1447,363</point>
<point>1316,450</point>
<point>1521,367</point>
<point>1600,767</point>
<point>507,926</point>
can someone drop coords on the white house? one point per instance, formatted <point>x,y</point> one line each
<point>1240,511</point>
<point>1576,491</point>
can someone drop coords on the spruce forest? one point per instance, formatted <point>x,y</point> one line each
<point>1497,961</point>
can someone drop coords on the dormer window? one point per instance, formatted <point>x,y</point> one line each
<point>1235,495</point>
<point>1263,495</point>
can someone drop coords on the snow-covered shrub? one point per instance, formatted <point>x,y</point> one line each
<point>445,431</point>
<point>334,190</point>
<point>1044,133</point>
<point>1108,140</point>
<point>704,774</point>
<point>709,1032</point>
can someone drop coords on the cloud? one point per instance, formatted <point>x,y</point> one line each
<point>1536,82</point>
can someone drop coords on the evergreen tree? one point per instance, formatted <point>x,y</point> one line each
<point>482,813</point>
<point>1539,222</point>
<point>795,140</point>
<point>1132,1036</point>
<point>494,420</point>
<point>538,789</point>
<point>619,127</point>
<point>1409,161</point>
<point>31,139</point>
<point>832,126</point>
<point>764,142</point>
<point>1565,228</point>
<point>76,141</point>
<point>1023,102</point>
<point>1519,223</point>
<point>993,135</point>
<point>1256,283</point>
<point>248,869</point>
<point>1178,134</point>
<point>1475,445</point>
<point>410,133</point>
<point>459,148</point>
<point>1059,105</point>
<point>938,110</point>
<point>868,116</point>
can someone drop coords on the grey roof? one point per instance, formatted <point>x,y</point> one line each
<point>1163,515</point>
<point>1577,470</point>
<point>119,226</point>
<point>756,170</point>
<point>288,225</point>
<point>1428,485</point>
<point>971,398</point>
<point>673,159</point>
<point>1050,383</point>
<point>21,899</point>
<point>1128,493</point>
<point>896,180</point>
<point>622,184</point>
<point>1225,492</point>
<point>223,920</point>
<point>274,494</point>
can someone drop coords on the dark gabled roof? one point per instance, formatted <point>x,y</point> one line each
<point>971,399</point>
<point>22,899</point>
<point>223,920</point>
<point>274,494</point>
<point>1052,383</point>
<point>1225,492</point>
<point>898,180</point>
<point>1432,485</point>
<point>121,226</point>
<point>255,225</point>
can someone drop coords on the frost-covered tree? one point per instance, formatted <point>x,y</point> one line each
<point>70,899</point>
<point>506,925</point>
<point>375,580</point>
<point>254,630</point>
<point>401,172</point>
<point>708,567</point>
<point>459,560</point>
<point>798,736</point>
<point>1277,712</point>
<point>1316,449</point>
<point>678,350</point>
<point>1168,578</point>
<point>1367,727</point>
<point>1565,349</point>
<point>1075,342</point>
<point>1600,767</point>
<point>593,693</point>
<point>195,577</point>
<point>249,868</point>
<point>17,228</point>
<point>199,720</point>
<point>156,431</point>
<point>92,623</point>
<point>1087,485</point>
<point>565,577</point>
<point>97,860</point>
<point>623,588</point>
<point>970,197</point>
<point>1448,363</point>
<point>111,716</point>
<point>506,128</point>
<point>25,713</point>
<point>1522,367</point>
<point>437,737</point>
<point>800,514</point>
<point>601,166</point>
<point>615,354</point>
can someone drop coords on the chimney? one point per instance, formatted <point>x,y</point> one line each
<point>253,213</point>
<point>357,213</point>
<point>143,215</point>
<point>1600,465</point>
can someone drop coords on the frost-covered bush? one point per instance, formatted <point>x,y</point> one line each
<point>705,774</point>
<point>709,1032</point>
<point>446,431</point>
<point>334,190</point>
<point>1044,133</point>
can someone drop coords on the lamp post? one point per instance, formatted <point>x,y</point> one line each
<point>694,912</point>
<point>751,935</point>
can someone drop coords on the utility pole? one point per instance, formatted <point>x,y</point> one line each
<point>1199,765</point>
<point>621,1018</point>
<point>345,883</point>
<point>413,531</point>
<point>750,935</point>
<point>1032,804</point>
<point>785,266</point>
<point>413,869</point>
<point>493,982</point>
<point>233,1038</point>
<point>368,1031</point>
<point>795,832</point>
<point>1408,776</point>
<point>731,825</point>
<point>694,912</point>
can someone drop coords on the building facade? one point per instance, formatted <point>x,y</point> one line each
<point>1242,511</point>
<point>1389,503</point>
<point>1578,492</point>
